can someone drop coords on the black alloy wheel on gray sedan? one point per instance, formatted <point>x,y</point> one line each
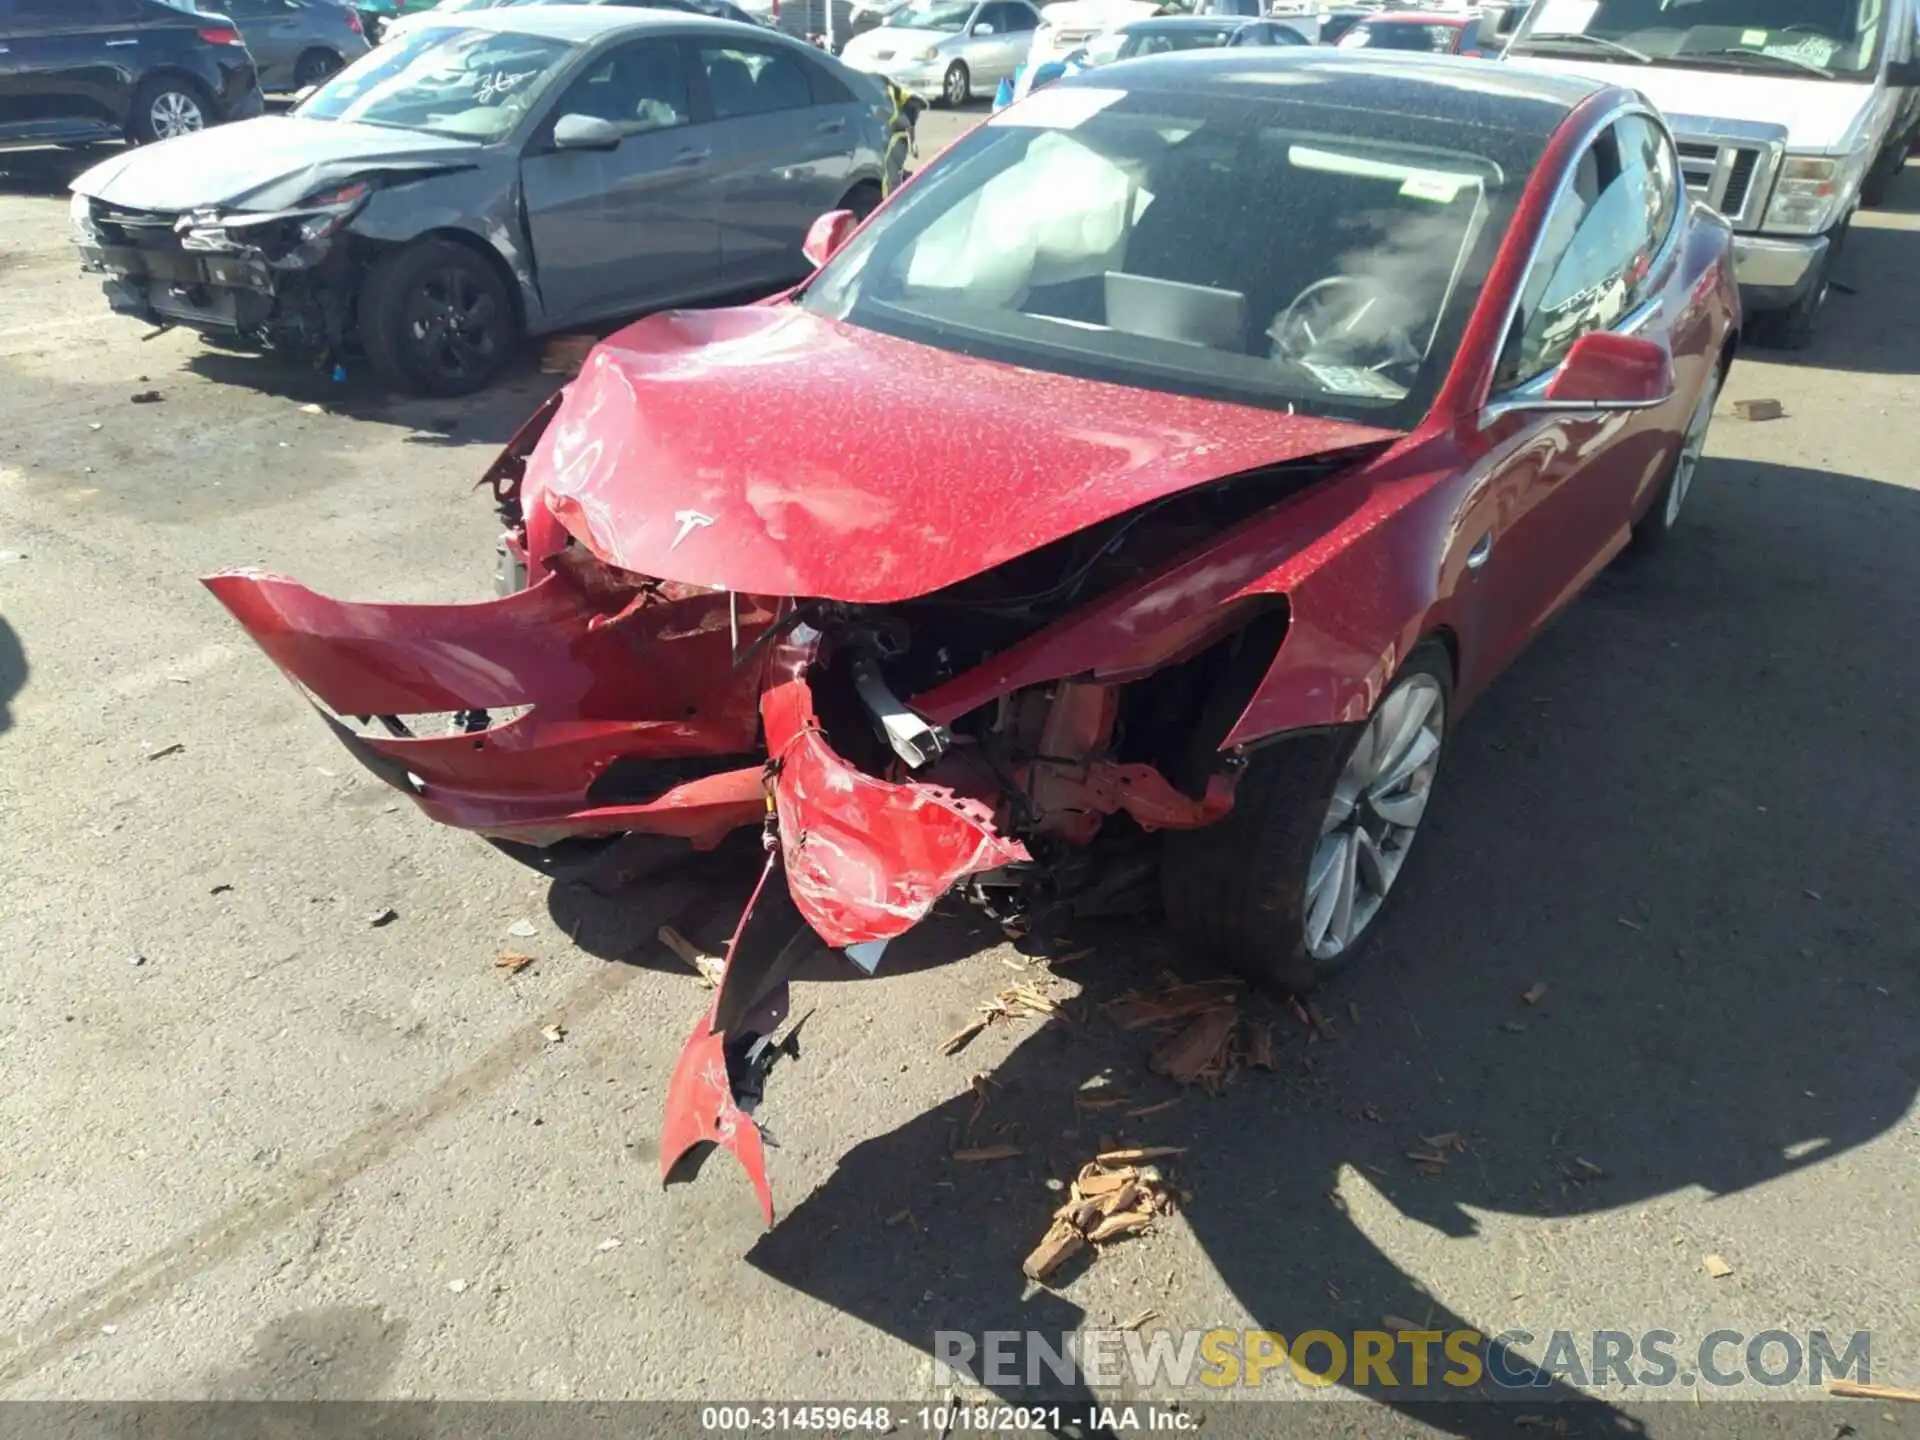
<point>1289,885</point>
<point>956,88</point>
<point>167,106</point>
<point>436,318</point>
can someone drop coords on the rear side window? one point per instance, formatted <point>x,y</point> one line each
<point>746,80</point>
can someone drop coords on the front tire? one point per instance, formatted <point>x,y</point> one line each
<point>1651,532</point>
<point>1792,328</point>
<point>1288,886</point>
<point>166,106</point>
<point>956,87</point>
<point>436,319</point>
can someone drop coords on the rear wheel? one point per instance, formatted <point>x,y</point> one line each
<point>436,318</point>
<point>314,66</point>
<point>957,86</point>
<point>166,106</point>
<point>1288,886</point>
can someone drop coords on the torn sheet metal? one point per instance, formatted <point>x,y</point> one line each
<point>865,858</point>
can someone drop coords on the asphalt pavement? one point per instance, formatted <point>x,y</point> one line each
<point>254,1144</point>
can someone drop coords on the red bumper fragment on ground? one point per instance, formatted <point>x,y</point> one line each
<point>865,858</point>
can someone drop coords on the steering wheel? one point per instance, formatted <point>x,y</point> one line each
<point>1324,322</point>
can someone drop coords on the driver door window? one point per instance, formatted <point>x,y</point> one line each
<point>1592,269</point>
<point>638,87</point>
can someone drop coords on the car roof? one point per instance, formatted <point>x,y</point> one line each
<point>1511,96</point>
<point>581,24</point>
<point>1423,17</point>
<point>1187,22</point>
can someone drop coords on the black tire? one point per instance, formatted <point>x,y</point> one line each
<point>436,319</point>
<point>1873,189</point>
<point>1792,328</point>
<point>1653,527</point>
<point>1239,888</point>
<point>161,95</point>
<point>956,86</point>
<point>861,199</point>
<point>314,66</point>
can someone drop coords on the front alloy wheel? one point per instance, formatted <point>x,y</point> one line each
<point>956,89</point>
<point>1291,882</point>
<point>1373,815</point>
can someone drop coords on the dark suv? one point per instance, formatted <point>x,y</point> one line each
<point>74,71</point>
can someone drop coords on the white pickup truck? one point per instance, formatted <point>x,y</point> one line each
<point>1788,114</point>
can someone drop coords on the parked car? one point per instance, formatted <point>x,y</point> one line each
<point>715,9</point>
<point>1789,118</point>
<point>1070,25</point>
<point>534,168</point>
<point>1162,36</point>
<point>1335,23</point>
<point>375,15</point>
<point>1420,32</point>
<point>417,18</point>
<point>947,50</point>
<point>73,72</point>
<point>295,43</point>
<point>1158,478</point>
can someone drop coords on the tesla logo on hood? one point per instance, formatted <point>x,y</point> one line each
<point>690,521</point>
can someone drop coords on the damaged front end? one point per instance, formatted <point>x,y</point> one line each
<point>279,278</point>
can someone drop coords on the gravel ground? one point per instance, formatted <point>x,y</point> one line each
<point>252,1145</point>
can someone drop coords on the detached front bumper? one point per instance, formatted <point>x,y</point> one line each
<point>635,716</point>
<point>1774,272</point>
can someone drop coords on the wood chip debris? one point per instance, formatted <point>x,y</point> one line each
<point>1759,409</point>
<point>554,1034</point>
<point>1026,998</point>
<point>708,967</point>
<point>1716,1267</point>
<point>511,963</point>
<point>1134,1322</point>
<point>1160,1107</point>
<point>1205,1040</point>
<point>1535,993</point>
<point>1109,1199</point>
<point>1134,1154</point>
<point>982,1153</point>
<point>1856,1390</point>
<point>565,354</point>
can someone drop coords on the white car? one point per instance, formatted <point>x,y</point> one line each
<point>947,50</point>
<point>1070,25</point>
<point>405,24</point>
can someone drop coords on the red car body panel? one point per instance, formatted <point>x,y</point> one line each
<point>865,858</point>
<point>704,464</point>
<point>1002,460</point>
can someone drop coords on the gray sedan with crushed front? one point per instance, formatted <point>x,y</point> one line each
<point>509,173</point>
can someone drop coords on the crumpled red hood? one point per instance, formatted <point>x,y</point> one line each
<point>771,452</point>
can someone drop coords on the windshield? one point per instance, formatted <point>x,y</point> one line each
<point>470,84</point>
<point>448,7</point>
<point>930,15</point>
<point>1821,38</point>
<point>1170,38</point>
<point>1269,251</point>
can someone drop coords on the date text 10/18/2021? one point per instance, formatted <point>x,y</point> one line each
<point>942,1419</point>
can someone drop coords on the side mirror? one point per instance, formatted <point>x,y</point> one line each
<point>983,28</point>
<point>826,235</point>
<point>1603,374</point>
<point>1903,74</point>
<point>1605,371</point>
<point>585,132</point>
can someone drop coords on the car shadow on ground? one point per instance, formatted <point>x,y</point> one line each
<point>48,171</point>
<point>13,672</point>
<point>1658,824</point>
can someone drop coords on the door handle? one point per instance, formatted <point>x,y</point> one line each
<point>112,43</point>
<point>686,159</point>
<point>831,127</point>
<point>1482,548</point>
